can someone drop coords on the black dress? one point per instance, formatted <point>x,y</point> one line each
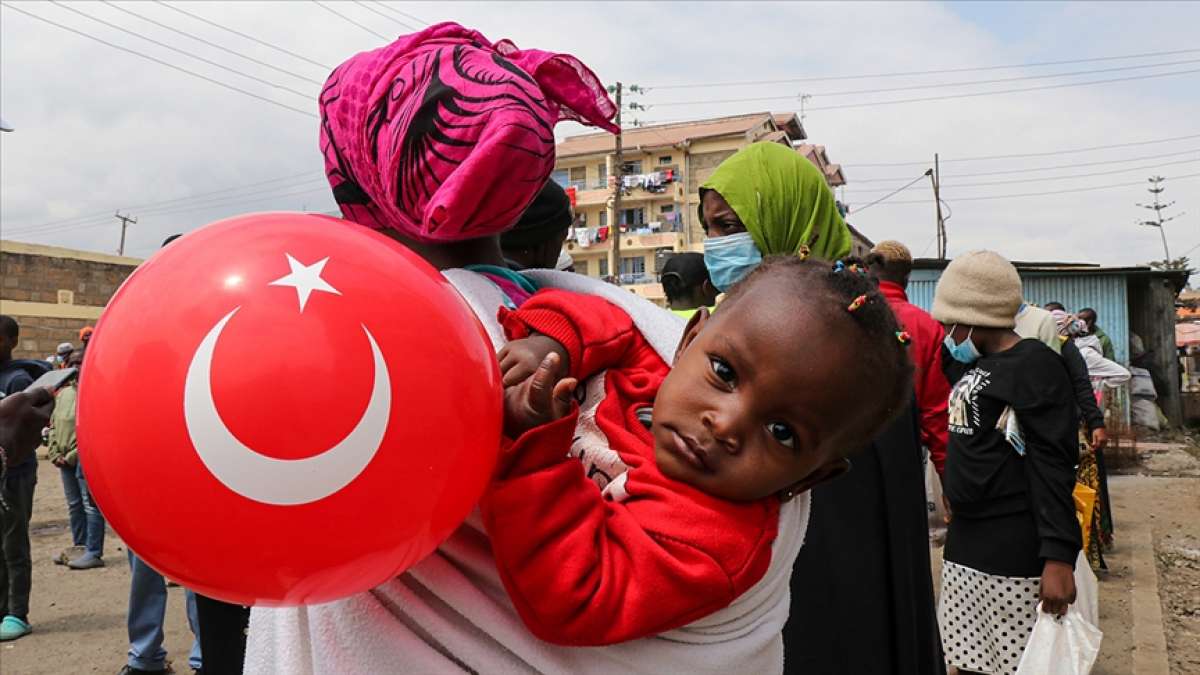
<point>862,592</point>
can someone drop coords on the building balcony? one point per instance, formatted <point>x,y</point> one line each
<point>629,242</point>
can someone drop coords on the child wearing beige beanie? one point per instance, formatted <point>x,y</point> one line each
<point>1010,470</point>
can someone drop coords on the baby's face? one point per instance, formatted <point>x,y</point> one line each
<point>754,400</point>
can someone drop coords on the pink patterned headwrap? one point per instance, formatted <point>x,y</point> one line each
<point>444,136</point>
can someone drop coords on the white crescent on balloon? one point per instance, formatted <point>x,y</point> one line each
<point>284,482</point>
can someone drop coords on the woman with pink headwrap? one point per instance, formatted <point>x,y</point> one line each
<point>441,140</point>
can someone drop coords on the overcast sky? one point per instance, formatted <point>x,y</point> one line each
<point>99,129</point>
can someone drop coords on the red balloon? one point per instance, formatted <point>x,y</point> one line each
<point>285,408</point>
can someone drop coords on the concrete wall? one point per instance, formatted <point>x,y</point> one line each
<point>52,292</point>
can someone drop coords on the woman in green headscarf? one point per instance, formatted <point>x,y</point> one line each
<point>767,199</point>
<point>863,576</point>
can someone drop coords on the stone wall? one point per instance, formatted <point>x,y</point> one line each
<point>53,292</point>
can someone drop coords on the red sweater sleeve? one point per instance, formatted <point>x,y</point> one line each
<point>582,570</point>
<point>596,333</point>
<point>933,396</point>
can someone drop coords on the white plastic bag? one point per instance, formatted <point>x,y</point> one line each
<point>1087,591</point>
<point>1066,646</point>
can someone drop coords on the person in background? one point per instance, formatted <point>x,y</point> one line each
<point>1013,536</point>
<point>85,334</point>
<point>16,564</point>
<point>890,264</point>
<point>1106,346</point>
<point>147,612</point>
<point>1035,322</point>
<point>93,554</point>
<point>1054,307</point>
<point>60,356</point>
<point>867,539</point>
<point>686,284</point>
<point>63,454</point>
<point>537,239</point>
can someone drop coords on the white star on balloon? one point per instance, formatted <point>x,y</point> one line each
<point>305,279</point>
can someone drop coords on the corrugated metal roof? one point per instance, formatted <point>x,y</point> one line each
<point>1104,291</point>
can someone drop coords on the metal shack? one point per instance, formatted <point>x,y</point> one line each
<point>1127,300</point>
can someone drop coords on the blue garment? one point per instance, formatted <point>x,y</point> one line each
<point>15,376</point>
<point>147,610</point>
<point>74,505</point>
<point>94,541</point>
<point>730,258</point>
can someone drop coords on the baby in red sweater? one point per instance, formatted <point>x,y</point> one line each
<point>636,497</point>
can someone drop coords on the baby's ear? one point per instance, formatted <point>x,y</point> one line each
<point>823,474</point>
<point>690,331</point>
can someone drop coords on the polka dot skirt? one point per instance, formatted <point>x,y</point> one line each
<point>985,619</point>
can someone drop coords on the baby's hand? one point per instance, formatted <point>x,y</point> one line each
<point>520,358</point>
<point>540,399</point>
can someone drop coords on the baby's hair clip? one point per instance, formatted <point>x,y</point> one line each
<point>904,338</point>
<point>804,252</point>
<point>839,266</point>
<point>858,302</point>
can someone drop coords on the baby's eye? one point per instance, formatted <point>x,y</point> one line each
<point>722,370</point>
<point>783,434</point>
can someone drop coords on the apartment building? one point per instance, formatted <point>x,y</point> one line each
<point>662,169</point>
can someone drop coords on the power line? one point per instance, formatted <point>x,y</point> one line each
<point>1048,153</point>
<point>160,61</point>
<point>402,13</point>
<point>930,86</point>
<point>167,202</point>
<point>1049,178</point>
<point>385,16</point>
<point>870,104</point>
<point>333,11</point>
<point>842,106</point>
<point>893,192</point>
<point>1031,169</point>
<point>212,44</point>
<point>240,200</point>
<point>826,78</point>
<point>177,50</point>
<point>227,29</point>
<point>1041,194</point>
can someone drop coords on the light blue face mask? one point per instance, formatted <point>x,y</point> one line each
<point>963,352</point>
<point>730,258</point>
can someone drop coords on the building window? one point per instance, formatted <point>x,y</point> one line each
<point>604,267</point>
<point>633,217</point>
<point>580,219</point>
<point>668,208</point>
<point>665,159</point>
<point>629,168</point>
<point>601,176</point>
<point>633,268</point>
<point>604,218</point>
<point>581,267</point>
<point>560,176</point>
<point>578,177</point>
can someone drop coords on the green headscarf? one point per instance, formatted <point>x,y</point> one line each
<point>783,201</point>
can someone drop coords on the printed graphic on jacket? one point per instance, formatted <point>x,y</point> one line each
<point>964,401</point>
<point>590,446</point>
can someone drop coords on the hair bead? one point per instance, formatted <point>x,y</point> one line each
<point>858,302</point>
<point>904,338</point>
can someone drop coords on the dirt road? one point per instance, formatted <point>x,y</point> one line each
<point>1149,601</point>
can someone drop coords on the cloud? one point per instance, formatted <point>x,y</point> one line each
<point>98,129</point>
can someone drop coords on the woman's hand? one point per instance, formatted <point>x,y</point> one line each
<point>1058,587</point>
<point>519,359</point>
<point>540,399</point>
<point>1099,438</point>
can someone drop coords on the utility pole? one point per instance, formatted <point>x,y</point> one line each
<point>619,165</point>
<point>803,99</point>
<point>1156,189</point>
<point>935,177</point>
<point>125,221</point>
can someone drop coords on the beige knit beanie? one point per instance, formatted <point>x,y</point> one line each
<point>979,288</point>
